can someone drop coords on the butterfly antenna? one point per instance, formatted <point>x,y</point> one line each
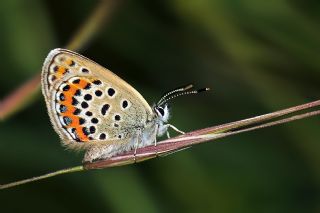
<point>179,89</point>
<point>182,94</point>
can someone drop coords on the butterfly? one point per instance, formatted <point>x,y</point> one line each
<point>93,109</point>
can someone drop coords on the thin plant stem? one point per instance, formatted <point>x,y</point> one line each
<point>269,124</point>
<point>17,99</point>
<point>51,174</point>
<point>89,29</point>
<point>204,135</point>
<point>173,145</point>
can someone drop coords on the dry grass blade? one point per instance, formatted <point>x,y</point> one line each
<point>183,141</point>
<point>51,174</point>
<point>19,97</point>
<point>208,134</point>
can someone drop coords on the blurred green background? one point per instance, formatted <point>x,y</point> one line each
<point>257,56</point>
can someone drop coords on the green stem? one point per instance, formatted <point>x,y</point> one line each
<point>51,174</point>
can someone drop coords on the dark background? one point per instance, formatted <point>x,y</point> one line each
<point>257,56</point>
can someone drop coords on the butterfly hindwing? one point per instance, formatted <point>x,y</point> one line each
<point>89,104</point>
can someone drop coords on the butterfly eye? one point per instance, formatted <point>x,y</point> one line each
<point>160,111</point>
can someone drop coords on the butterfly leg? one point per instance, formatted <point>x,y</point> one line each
<point>138,141</point>
<point>155,138</point>
<point>163,129</point>
<point>168,134</point>
<point>175,129</point>
<point>155,134</point>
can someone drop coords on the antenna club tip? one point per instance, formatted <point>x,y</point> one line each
<point>203,89</point>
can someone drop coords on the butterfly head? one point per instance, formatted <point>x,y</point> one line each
<point>162,108</point>
<point>162,112</point>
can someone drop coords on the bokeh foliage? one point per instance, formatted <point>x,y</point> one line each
<point>257,56</point>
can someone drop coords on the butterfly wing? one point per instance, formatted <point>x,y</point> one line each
<point>87,103</point>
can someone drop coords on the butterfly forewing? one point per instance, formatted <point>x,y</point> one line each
<point>88,103</point>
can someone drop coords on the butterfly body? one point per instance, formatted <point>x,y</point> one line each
<point>91,108</point>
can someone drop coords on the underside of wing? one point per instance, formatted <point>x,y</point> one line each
<point>88,103</point>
